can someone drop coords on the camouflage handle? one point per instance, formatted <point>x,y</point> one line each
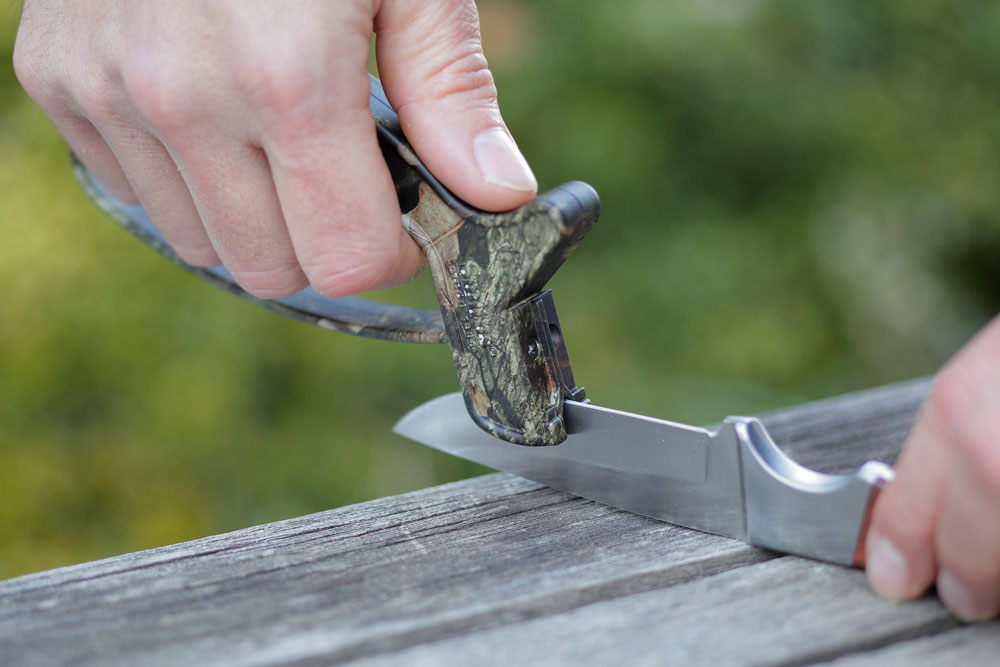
<point>350,315</point>
<point>488,269</point>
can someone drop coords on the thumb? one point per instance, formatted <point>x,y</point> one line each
<point>434,72</point>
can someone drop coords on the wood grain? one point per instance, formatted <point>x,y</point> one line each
<point>491,570</point>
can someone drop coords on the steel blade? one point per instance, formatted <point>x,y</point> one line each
<point>656,468</point>
<point>731,481</point>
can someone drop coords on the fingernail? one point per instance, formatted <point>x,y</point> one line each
<point>888,572</point>
<point>962,601</point>
<point>500,162</point>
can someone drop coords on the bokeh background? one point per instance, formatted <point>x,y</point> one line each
<point>800,199</point>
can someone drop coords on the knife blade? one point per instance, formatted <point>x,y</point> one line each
<point>732,480</point>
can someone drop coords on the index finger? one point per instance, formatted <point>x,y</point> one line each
<point>339,201</point>
<point>901,544</point>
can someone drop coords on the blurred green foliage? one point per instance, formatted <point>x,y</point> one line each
<point>800,198</point>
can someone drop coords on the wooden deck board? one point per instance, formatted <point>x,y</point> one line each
<point>491,570</point>
<point>783,611</point>
<point>971,646</point>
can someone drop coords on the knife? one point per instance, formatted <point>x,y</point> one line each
<point>519,409</point>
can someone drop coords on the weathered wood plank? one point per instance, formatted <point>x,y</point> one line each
<point>491,562</point>
<point>975,645</point>
<point>785,611</point>
<point>499,550</point>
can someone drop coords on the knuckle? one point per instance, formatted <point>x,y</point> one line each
<point>984,460</point>
<point>96,96</point>
<point>30,68</point>
<point>950,396</point>
<point>335,278</point>
<point>964,425</point>
<point>59,75</point>
<point>979,450</point>
<point>446,53</point>
<point>466,76</point>
<point>161,90</point>
<point>269,283</point>
<point>282,85</point>
<point>202,255</point>
<point>904,522</point>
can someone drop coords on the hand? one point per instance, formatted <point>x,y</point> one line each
<point>939,521</point>
<point>242,126</point>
